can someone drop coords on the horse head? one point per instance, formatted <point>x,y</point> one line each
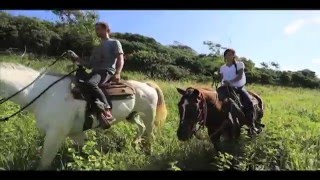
<point>192,110</point>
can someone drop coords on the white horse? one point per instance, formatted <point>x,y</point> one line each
<point>59,115</point>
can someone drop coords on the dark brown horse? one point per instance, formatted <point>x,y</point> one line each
<point>202,106</point>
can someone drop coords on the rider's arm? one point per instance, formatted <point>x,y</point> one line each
<point>240,73</point>
<point>83,62</point>
<point>119,64</point>
<point>120,59</point>
<point>221,74</point>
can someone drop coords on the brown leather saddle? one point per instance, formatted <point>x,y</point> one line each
<point>111,90</point>
<point>223,93</point>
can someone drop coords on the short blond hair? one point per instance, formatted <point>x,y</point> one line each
<point>104,25</point>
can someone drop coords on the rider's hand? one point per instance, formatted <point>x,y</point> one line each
<point>72,55</point>
<point>227,83</point>
<point>116,78</point>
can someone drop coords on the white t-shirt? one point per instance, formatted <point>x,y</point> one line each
<point>229,73</point>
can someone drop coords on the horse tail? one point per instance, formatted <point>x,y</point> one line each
<point>161,113</point>
<point>260,102</point>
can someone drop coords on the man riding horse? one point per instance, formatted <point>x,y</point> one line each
<point>106,63</point>
<point>232,75</point>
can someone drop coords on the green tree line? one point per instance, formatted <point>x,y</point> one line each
<point>75,31</point>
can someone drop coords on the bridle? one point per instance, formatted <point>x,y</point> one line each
<point>202,115</point>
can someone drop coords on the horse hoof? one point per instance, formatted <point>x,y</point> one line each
<point>136,145</point>
<point>148,152</point>
<point>250,133</point>
<point>262,125</point>
<point>259,130</point>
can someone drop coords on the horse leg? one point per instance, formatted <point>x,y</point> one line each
<point>141,129</point>
<point>52,143</point>
<point>148,134</point>
<point>79,138</point>
<point>214,138</point>
<point>236,129</point>
<point>233,128</point>
<point>259,115</point>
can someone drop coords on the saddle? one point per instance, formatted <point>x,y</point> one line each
<point>223,93</point>
<point>111,90</point>
<point>257,112</point>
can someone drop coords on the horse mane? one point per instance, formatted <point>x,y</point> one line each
<point>55,74</point>
<point>211,96</point>
<point>208,89</point>
<point>15,66</point>
<point>20,67</point>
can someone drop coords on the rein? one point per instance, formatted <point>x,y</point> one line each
<point>8,117</point>
<point>3,100</point>
<point>203,114</point>
<point>32,101</point>
<point>233,93</point>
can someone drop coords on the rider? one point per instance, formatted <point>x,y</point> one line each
<point>233,75</point>
<point>106,65</point>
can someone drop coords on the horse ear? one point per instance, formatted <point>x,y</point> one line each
<point>196,92</point>
<point>181,91</point>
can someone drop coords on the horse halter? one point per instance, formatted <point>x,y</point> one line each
<point>203,113</point>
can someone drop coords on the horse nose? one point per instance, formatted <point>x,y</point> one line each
<point>182,137</point>
<point>182,133</point>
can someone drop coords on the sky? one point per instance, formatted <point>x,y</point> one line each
<point>290,38</point>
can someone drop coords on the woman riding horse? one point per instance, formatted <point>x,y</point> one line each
<point>233,75</point>
<point>203,107</point>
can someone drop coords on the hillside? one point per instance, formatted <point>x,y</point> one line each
<point>143,54</point>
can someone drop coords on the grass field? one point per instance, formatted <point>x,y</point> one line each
<point>290,141</point>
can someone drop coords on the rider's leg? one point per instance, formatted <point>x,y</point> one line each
<point>248,104</point>
<point>93,84</point>
<point>105,77</point>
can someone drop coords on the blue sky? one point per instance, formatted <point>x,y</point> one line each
<point>290,38</point>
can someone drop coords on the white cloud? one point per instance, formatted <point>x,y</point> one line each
<point>296,25</point>
<point>315,61</point>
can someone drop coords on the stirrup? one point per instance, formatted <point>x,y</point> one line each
<point>100,105</point>
<point>104,122</point>
<point>254,129</point>
<point>108,118</point>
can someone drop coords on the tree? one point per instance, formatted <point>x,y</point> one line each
<point>8,32</point>
<point>264,65</point>
<point>69,16</point>
<point>285,78</point>
<point>184,48</point>
<point>275,65</point>
<point>213,47</point>
<point>266,78</point>
<point>308,73</point>
<point>75,30</point>
<point>79,21</point>
<point>297,79</point>
<point>249,64</point>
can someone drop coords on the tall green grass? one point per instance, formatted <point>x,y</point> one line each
<point>290,141</point>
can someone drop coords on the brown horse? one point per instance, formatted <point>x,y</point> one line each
<point>202,106</point>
